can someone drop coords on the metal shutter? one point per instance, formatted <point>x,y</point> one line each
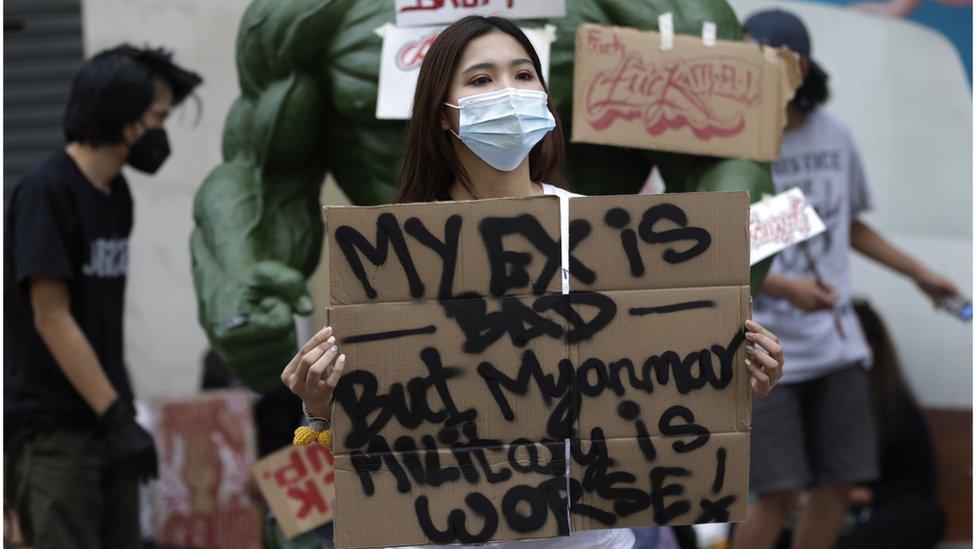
<point>42,51</point>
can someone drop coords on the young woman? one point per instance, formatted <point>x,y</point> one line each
<point>483,127</point>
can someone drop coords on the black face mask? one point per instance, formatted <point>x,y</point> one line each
<point>150,151</point>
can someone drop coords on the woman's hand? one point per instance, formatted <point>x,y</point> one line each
<point>314,373</point>
<point>765,358</point>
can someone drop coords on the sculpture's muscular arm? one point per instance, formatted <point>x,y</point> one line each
<point>258,227</point>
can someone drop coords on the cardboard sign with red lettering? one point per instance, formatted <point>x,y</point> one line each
<point>298,482</point>
<point>728,99</point>
<point>206,449</point>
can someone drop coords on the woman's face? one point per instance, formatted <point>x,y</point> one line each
<point>491,62</point>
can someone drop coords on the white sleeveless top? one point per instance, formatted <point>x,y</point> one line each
<point>618,538</point>
<point>548,189</point>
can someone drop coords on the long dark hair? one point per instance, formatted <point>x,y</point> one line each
<point>890,393</point>
<point>430,164</point>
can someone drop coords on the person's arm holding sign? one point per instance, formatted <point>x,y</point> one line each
<point>314,373</point>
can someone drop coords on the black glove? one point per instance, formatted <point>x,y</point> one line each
<point>130,446</point>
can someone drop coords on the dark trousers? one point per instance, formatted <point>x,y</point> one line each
<point>907,521</point>
<point>68,495</point>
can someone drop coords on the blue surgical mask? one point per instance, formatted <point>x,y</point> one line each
<point>501,127</point>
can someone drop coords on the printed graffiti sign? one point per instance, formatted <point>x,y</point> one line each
<point>483,401</point>
<point>298,483</point>
<point>723,100</point>
<point>402,54</point>
<point>206,450</point>
<point>429,12</point>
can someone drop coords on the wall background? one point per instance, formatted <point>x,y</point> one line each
<point>899,86</point>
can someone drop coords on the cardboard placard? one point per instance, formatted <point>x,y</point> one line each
<point>482,403</point>
<point>725,100</point>
<point>431,12</point>
<point>402,54</point>
<point>780,221</point>
<point>298,482</point>
<point>206,449</point>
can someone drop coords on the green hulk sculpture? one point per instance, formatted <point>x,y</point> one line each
<point>308,72</point>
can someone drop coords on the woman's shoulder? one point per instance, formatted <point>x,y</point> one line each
<point>557,191</point>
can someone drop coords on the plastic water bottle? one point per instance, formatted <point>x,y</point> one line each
<point>961,308</point>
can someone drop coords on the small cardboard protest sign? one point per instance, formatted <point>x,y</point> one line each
<point>725,100</point>
<point>432,12</point>
<point>206,449</point>
<point>403,51</point>
<point>298,482</point>
<point>483,403</point>
<point>780,221</point>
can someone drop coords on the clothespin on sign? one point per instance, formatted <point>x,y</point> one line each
<point>383,29</point>
<point>549,32</point>
<point>665,26</point>
<point>709,30</point>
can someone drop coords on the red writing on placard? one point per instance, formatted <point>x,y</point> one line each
<point>779,228</point>
<point>434,5</point>
<point>709,95</point>
<point>411,54</point>
<point>308,498</point>
<point>303,479</point>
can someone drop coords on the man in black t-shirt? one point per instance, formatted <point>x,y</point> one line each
<point>74,452</point>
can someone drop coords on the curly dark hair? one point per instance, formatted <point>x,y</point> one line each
<point>813,92</point>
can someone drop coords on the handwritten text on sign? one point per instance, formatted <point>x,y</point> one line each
<point>430,12</point>
<point>724,100</point>
<point>469,370</point>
